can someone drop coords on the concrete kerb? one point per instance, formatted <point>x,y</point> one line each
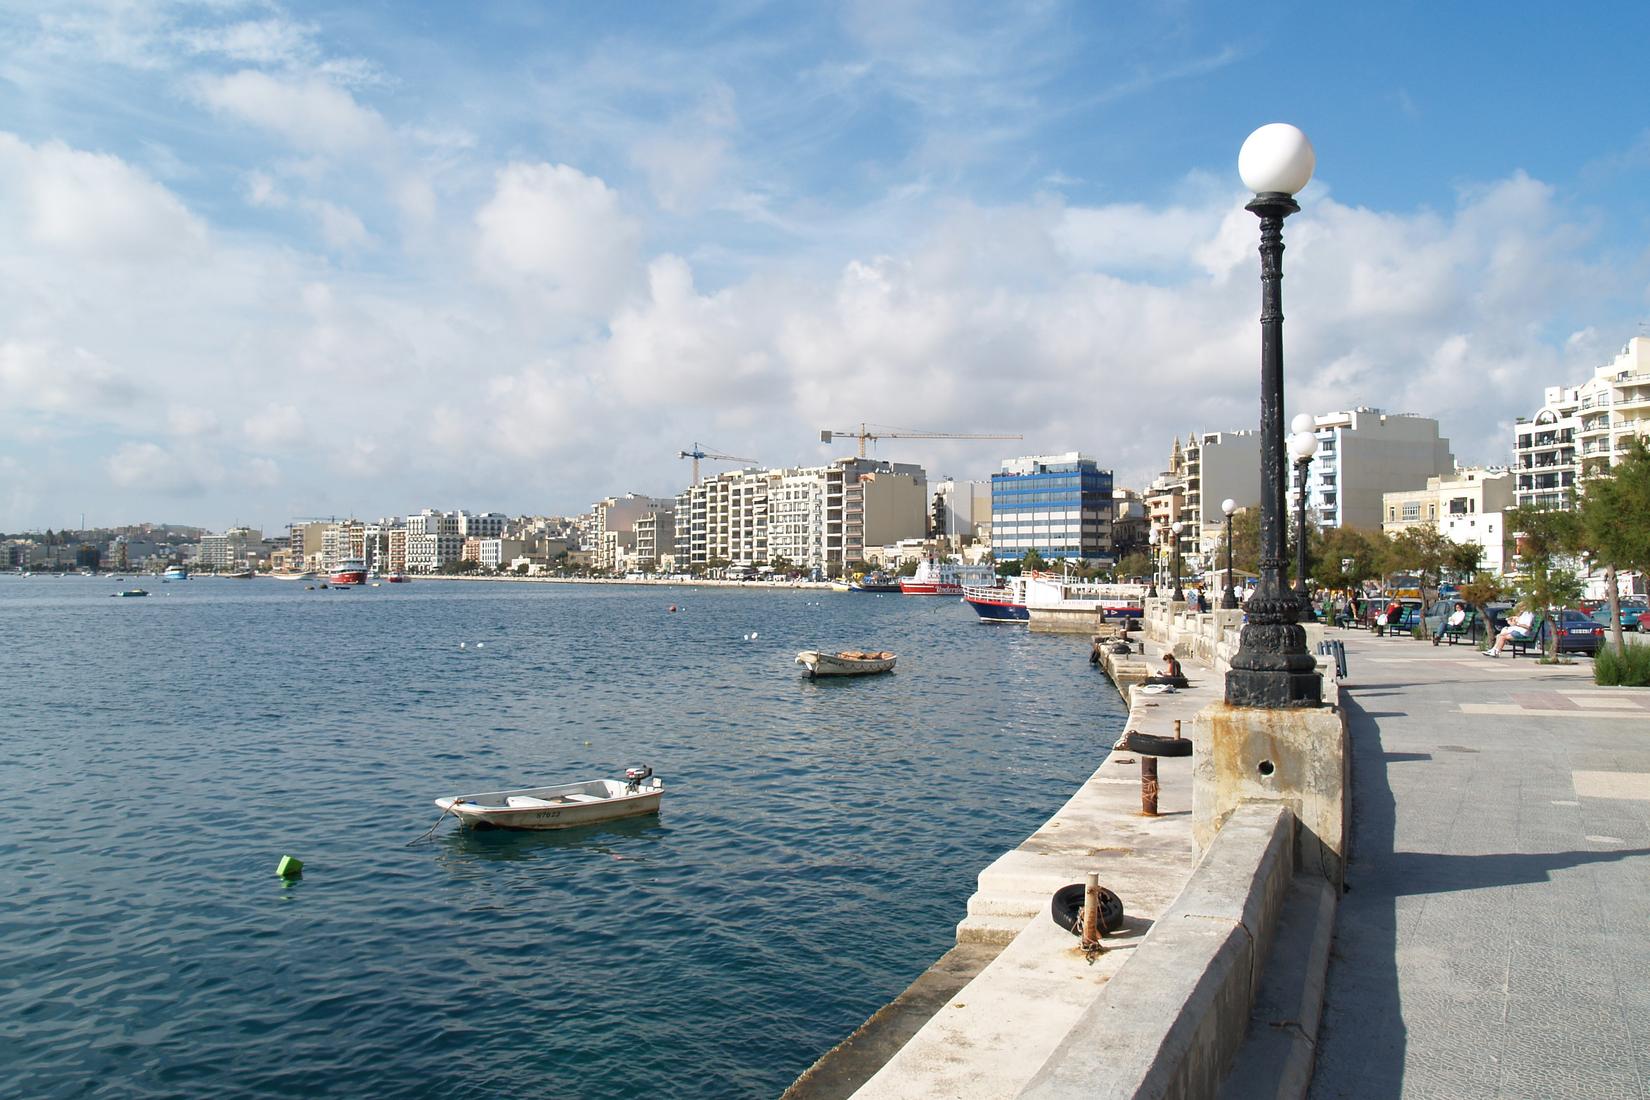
<point>1171,1021</point>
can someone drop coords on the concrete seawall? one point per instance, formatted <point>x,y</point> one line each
<point>1189,992</point>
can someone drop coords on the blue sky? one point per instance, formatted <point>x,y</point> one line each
<point>260,260</point>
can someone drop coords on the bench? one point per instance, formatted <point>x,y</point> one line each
<point>1468,630</point>
<point>1405,626</point>
<point>1522,645</point>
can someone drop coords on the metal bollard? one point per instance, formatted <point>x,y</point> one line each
<point>1091,913</point>
<point>1148,785</point>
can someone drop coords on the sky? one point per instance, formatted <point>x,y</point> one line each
<point>263,260</point>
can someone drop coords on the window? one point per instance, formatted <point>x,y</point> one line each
<point>1412,510</point>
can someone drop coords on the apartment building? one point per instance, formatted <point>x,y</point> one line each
<point>1058,505</point>
<point>1466,506</point>
<point>616,517</point>
<point>1209,469</point>
<point>1583,429</point>
<point>1365,453</point>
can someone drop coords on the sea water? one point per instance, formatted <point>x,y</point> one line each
<point>817,844</point>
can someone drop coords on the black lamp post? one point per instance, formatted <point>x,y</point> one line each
<point>1302,445</point>
<point>1272,667</point>
<point>1229,601</point>
<point>1151,592</point>
<point>1175,529</point>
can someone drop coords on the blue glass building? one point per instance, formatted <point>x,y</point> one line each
<point>1057,505</point>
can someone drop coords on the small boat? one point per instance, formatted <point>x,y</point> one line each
<point>945,578</point>
<point>560,807</point>
<point>306,575</point>
<point>396,578</point>
<point>874,582</point>
<point>349,571</point>
<point>849,662</point>
<point>130,592</point>
<point>240,575</point>
<point>175,573</point>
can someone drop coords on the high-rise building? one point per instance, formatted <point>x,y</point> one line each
<point>1058,505</point>
<point>1582,430</point>
<point>1365,453</point>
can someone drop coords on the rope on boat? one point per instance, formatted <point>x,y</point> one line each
<point>431,831</point>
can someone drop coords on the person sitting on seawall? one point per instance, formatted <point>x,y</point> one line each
<point>1518,630</point>
<point>1456,618</point>
<point>1171,674</point>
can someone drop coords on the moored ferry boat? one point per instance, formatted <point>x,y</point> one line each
<point>1003,602</point>
<point>1053,592</point>
<point>175,573</point>
<point>349,571</point>
<point>945,578</point>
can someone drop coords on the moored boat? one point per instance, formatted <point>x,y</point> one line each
<point>396,578</point>
<point>349,571</point>
<point>562,806</point>
<point>1053,592</point>
<point>241,575</point>
<point>874,582</point>
<point>945,578</point>
<point>175,573</point>
<point>849,662</point>
<point>1003,602</point>
<point>306,575</point>
<point>130,592</point>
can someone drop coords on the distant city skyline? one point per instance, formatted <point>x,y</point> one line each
<point>263,260</point>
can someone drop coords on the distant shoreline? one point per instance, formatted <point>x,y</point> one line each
<point>650,583</point>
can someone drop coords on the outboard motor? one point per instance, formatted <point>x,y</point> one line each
<point>634,777</point>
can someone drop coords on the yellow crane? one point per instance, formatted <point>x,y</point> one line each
<point>864,433</point>
<point>699,452</point>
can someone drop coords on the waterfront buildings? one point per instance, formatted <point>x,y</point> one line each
<point>236,548</point>
<point>1363,454</point>
<point>813,518</point>
<point>1058,505</point>
<point>1209,469</point>
<point>1466,507</point>
<point>1583,429</point>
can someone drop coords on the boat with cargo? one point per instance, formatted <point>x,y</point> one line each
<point>944,578</point>
<point>562,806</point>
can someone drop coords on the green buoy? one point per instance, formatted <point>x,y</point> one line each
<point>290,867</point>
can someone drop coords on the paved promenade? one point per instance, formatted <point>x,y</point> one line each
<point>1495,941</point>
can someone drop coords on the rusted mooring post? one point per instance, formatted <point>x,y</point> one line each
<point>1148,785</point>
<point>1091,914</point>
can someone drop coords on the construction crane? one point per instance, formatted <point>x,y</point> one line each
<point>699,452</point>
<point>864,433</point>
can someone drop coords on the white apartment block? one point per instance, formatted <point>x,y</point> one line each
<point>1584,429</point>
<point>656,537</point>
<point>813,517</point>
<point>484,525</point>
<point>617,516</point>
<point>1466,507</point>
<point>1364,454</point>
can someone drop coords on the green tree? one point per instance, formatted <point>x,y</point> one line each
<point>1483,589</point>
<point>908,568</point>
<point>1424,551</point>
<point>1346,557</point>
<point>1613,525</point>
<point>1137,564</point>
<point>1542,538</point>
<point>1032,562</point>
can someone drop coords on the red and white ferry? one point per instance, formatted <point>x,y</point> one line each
<point>349,571</point>
<point>945,578</point>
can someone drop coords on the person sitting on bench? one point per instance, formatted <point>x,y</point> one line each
<point>1457,618</point>
<point>1171,674</point>
<point>1520,629</point>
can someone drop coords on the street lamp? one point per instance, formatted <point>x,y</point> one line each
<point>1272,667</point>
<point>1151,537</point>
<point>1177,527</point>
<point>1229,601</point>
<point>1302,445</point>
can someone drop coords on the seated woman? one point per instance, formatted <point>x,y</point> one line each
<point>1171,674</point>
<point>1520,628</point>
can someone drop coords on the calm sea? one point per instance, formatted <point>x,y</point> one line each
<point>817,844</point>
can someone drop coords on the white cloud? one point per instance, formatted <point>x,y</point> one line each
<point>555,233</point>
<point>309,113</point>
<point>153,469</point>
<point>259,42</point>
<point>275,425</point>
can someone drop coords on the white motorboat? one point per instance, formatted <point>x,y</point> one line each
<point>847,663</point>
<point>562,806</point>
<point>306,575</point>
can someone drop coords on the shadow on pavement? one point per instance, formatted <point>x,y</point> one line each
<point>1361,1048</point>
<point>1435,873</point>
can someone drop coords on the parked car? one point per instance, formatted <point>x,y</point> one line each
<point>1631,614</point>
<point>1577,632</point>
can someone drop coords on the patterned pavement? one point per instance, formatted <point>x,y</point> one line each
<point>1495,939</point>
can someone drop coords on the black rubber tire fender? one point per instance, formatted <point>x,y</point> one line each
<point>1067,909</point>
<point>1148,744</point>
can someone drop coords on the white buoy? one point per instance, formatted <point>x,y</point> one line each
<point>481,645</point>
<point>462,645</point>
<point>753,635</point>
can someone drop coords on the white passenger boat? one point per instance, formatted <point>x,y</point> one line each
<point>846,663</point>
<point>562,806</point>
